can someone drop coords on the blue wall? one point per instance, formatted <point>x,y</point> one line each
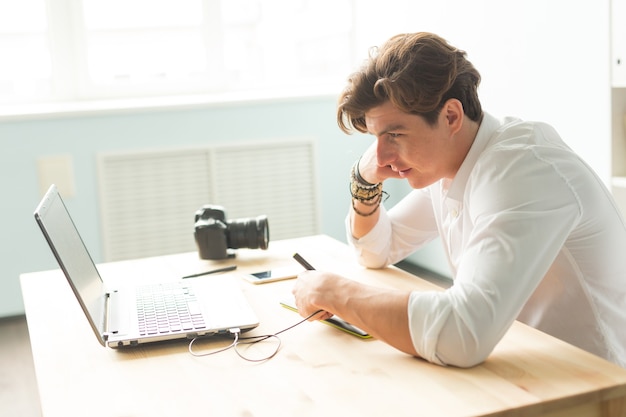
<point>23,247</point>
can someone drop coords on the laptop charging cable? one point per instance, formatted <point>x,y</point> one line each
<point>249,341</point>
<point>252,340</point>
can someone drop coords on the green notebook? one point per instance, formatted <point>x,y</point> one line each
<point>334,321</point>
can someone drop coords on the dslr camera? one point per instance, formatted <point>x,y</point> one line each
<point>215,235</point>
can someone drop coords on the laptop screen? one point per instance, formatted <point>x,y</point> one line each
<point>74,259</point>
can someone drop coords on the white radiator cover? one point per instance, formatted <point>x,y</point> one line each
<point>148,198</point>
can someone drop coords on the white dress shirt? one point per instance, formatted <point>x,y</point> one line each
<point>530,232</point>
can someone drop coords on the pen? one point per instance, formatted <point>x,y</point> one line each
<point>212,271</point>
<point>302,262</point>
<point>309,267</point>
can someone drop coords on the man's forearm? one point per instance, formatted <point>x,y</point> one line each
<point>380,312</point>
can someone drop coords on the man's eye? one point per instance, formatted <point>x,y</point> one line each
<point>394,135</point>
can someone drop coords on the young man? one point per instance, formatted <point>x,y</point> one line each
<point>530,231</point>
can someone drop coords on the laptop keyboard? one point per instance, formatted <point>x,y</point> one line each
<point>166,308</point>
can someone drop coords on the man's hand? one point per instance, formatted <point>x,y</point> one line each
<point>369,169</point>
<point>309,294</point>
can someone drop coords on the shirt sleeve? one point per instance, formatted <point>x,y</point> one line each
<point>403,229</point>
<point>520,208</point>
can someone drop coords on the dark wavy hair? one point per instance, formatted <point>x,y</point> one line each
<point>418,73</point>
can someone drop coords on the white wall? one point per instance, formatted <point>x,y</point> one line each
<point>539,59</point>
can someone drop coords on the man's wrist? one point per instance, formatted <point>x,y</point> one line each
<point>364,193</point>
<point>358,176</point>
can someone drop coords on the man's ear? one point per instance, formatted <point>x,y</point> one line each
<point>453,111</point>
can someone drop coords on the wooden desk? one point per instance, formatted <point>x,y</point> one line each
<point>319,371</point>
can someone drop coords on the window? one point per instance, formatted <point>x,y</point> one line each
<point>25,73</point>
<point>56,50</point>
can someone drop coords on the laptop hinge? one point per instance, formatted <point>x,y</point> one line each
<point>117,314</point>
<point>104,324</point>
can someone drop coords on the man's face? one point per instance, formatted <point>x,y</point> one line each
<point>413,149</point>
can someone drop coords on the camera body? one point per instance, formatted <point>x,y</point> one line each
<point>215,235</point>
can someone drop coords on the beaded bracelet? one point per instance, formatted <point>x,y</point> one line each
<point>361,189</point>
<point>376,203</point>
<point>358,176</point>
<point>365,192</point>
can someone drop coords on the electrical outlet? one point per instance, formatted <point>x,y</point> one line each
<point>59,170</point>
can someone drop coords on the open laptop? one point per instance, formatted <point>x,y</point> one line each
<point>123,316</point>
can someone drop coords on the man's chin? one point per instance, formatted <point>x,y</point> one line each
<point>419,183</point>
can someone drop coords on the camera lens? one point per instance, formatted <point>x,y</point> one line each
<point>250,233</point>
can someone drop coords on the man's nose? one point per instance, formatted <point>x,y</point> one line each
<point>384,153</point>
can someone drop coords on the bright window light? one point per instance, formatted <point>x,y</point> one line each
<point>25,73</point>
<point>137,14</point>
<point>98,49</point>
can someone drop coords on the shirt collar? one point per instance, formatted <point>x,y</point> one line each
<point>487,127</point>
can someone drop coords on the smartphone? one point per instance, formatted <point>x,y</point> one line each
<point>334,321</point>
<point>275,274</point>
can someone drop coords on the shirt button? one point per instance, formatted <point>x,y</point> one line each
<point>454,212</point>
